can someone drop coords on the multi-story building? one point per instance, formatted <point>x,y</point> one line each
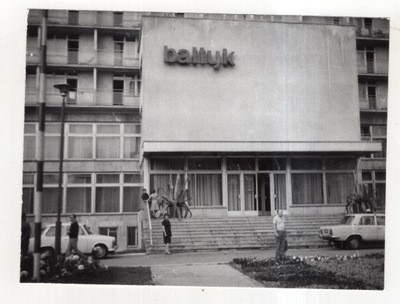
<point>250,154</point>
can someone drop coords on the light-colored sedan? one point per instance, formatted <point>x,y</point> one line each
<point>355,229</point>
<point>88,243</point>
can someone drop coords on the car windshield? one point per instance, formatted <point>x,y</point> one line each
<point>87,229</point>
<point>347,220</point>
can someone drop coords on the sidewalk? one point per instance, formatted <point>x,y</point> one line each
<point>210,268</point>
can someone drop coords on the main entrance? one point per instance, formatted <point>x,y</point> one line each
<point>271,193</point>
<point>256,194</point>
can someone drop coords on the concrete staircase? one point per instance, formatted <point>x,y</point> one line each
<point>198,234</point>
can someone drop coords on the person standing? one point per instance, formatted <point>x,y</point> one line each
<point>166,226</point>
<point>145,198</point>
<point>153,204</point>
<point>25,235</point>
<point>73,238</point>
<point>280,233</point>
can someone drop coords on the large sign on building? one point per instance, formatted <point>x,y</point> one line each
<point>285,82</point>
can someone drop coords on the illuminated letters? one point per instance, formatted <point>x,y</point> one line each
<point>202,57</point>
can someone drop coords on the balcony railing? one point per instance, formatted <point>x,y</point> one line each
<point>373,32</point>
<point>86,98</point>
<point>106,58</point>
<point>373,104</point>
<point>377,66</point>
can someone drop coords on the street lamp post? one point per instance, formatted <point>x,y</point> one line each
<point>64,89</point>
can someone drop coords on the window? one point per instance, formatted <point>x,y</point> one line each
<point>72,81</point>
<point>107,193</point>
<point>204,164</point>
<point>118,50</point>
<point>108,141</point>
<point>368,23</point>
<point>132,191</point>
<point>79,193</point>
<point>336,20</point>
<point>131,140</point>
<point>109,231</point>
<point>380,220</point>
<point>167,164</point>
<point>50,193</point>
<point>73,17</point>
<point>205,189</point>
<point>28,191</point>
<point>118,92</point>
<point>118,18</point>
<point>367,220</point>
<point>73,49</point>
<point>132,236</point>
<point>237,164</point>
<point>370,57</point>
<point>52,141</point>
<point>322,181</point>
<point>80,141</point>
<point>30,141</point>
<point>272,164</point>
<point>371,95</point>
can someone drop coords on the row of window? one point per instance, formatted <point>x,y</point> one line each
<point>85,141</point>
<point>86,193</point>
<point>252,163</point>
<point>313,180</point>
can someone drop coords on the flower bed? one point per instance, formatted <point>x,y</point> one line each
<point>339,272</point>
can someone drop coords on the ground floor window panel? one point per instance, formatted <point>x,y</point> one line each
<point>250,192</point>
<point>131,199</point>
<point>107,199</point>
<point>132,236</point>
<point>78,200</point>
<point>307,188</point>
<point>205,189</point>
<point>50,200</point>
<point>280,191</point>
<point>233,192</point>
<point>380,195</point>
<point>27,199</point>
<point>339,186</point>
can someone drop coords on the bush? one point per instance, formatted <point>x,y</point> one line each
<point>60,268</point>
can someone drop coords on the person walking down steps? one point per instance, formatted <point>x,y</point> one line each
<point>166,226</point>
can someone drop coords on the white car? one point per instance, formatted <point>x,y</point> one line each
<point>355,229</point>
<point>87,241</point>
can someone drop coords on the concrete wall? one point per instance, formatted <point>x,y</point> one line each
<point>291,82</point>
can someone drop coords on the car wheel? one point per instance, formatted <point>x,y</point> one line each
<point>100,251</point>
<point>353,242</point>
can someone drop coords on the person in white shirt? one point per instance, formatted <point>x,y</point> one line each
<point>280,233</point>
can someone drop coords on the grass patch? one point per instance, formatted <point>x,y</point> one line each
<point>364,273</point>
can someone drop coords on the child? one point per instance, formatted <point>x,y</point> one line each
<point>166,225</point>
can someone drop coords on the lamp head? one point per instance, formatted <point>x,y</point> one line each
<point>64,88</point>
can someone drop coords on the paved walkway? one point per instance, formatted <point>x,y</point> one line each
<point>210,268</point>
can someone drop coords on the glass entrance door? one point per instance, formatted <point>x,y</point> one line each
<point>271,193</point>
<point>242,194</point>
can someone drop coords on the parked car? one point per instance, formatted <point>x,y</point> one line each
<point>89,243</point>
<point>355,229</point>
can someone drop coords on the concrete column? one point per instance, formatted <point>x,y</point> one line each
<point>224,183</point>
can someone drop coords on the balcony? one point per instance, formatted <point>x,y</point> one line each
<point>377,32</point>
<point>86,58</point>
<point>373,104</point>
<point>85,98</point>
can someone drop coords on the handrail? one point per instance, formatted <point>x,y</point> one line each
<point>149,218</point>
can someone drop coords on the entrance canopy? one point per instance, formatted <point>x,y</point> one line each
<point>261,146</point>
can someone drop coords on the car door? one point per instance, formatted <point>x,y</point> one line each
<point>380,220</point>
<point>367,228</point>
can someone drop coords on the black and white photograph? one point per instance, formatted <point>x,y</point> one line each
<point>176,150</point>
